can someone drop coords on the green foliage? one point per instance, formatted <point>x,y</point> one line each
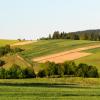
<point>2,62</point>
<point>56,35</point>
<point>85,70</point>
<point>69,68</point>
<point>15,50</point>
<point>42,73</point>
<point>7,49</point>
<point>29,73</point>
<point>2,73</point>
<point>93,35</point>
<point>15,72</point>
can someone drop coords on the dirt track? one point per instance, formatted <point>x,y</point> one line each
<point>23,43</point>
<point>68,55</point>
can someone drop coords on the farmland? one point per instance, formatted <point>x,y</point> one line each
<point>70,88</point>
<point>7,42</point>
<point>51,89</point>
<point>47,47</point>
<point>93,59</point>
<point>43,48</point>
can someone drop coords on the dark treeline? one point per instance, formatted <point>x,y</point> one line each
<point>16,72</point>
<point>93,35</point>
<point>69,69</point>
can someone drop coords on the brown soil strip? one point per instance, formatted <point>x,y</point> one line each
<point>23,43</point>
<point>68,55</point>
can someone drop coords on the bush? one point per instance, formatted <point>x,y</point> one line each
<point>42,73</point>
<point>6,49</point>
<point>29,73</point>
<point>2,62</point>
<point>15,72</point>
<point>2,73</point>
<point>69,68</point>
<point>15,50</point>
<point>84,70</point>
<point>92,72</point>
<point>54,69</point>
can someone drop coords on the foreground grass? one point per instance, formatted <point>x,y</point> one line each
<point>51,89</point>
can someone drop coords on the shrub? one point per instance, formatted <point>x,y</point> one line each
<point>42,73</point>
<point>2,62</point>
<point>92,72</point>
<point>69,68</point>
<point>2,51</point>
<point>29,73</point>
<point>84,70</point>
<point>15,50</point>
<point>2,73</point>
<point>7,49</point>
<point>14,72</point>
<point>54,69</point>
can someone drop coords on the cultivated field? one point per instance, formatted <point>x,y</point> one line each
<point>93,59</point>
<point>51,89</point>
<point>7,42</point>
<point>72,88</point>
<point>66,56</point>
<point>47,47</point>
<point>44,48</point>
<point>40,49</point>
<point>23,43</point>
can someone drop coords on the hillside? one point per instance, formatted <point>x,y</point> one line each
<point>47,47</point>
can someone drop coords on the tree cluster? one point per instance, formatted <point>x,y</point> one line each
<point>16,72</point>
<point>51,69</point>
<point>69,69</point>
<point>93,35</point>
<point>2,63</point>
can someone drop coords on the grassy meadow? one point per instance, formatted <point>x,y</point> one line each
<point>47,47</point>
<point>7,42</point>
<point>93,59</point>
<point>51,89</point>
<point>72,88</point>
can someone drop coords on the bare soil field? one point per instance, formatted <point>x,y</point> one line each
<point>23,43</point>
<point>68,55</point>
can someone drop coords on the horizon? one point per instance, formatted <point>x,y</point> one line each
<point>33,19</point>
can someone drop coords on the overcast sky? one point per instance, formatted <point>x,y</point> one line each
<point>36,18</point>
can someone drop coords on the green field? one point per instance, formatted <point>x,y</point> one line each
<point>46,47</point>
<point>6,42</point>
<point>51,89</point>
<point>93,59</point>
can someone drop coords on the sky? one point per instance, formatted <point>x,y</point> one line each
<point>32,19</point>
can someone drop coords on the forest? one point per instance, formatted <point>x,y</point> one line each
<point>93,35</point>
